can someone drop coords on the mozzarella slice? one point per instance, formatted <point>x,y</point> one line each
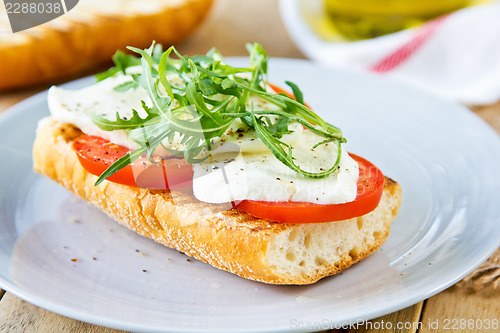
<point>241,175</point>
<point>241,167</point>
<point>77,106</point>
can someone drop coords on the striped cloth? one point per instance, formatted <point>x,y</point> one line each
<point>456,56</point>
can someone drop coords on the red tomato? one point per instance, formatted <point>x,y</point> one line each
<point>370,188</point>
<point>279,90</point>
<point>97,154</point>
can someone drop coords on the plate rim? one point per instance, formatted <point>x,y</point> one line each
<point>98,320</point>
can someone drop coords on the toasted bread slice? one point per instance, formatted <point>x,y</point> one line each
<point>222,236</point>
<point>89,35</point>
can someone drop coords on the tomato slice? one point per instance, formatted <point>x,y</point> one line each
<point>280,90</point>
<point>97,154</point>
<point>370,188</point>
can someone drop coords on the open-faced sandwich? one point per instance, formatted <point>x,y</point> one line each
<point>214,161</point>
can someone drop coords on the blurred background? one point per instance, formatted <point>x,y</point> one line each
<point>448,47</point>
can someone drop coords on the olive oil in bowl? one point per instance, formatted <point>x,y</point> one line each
<point>363,19</point>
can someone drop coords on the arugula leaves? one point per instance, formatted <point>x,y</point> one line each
<point>212,95</point>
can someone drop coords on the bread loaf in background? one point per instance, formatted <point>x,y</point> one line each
<point>89,34</point>
<point>225,237</point>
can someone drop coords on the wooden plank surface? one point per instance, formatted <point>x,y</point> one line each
<point>462,310</point>
<point>403,321</point>
<point>19,316</point>
<point>9,99</point>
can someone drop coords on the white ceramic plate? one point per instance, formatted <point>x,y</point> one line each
<point>445,158</point>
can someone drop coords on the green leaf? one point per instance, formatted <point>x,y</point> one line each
<point>299,97</point>
<point>227,83</point>
<point>109,73</point>
<point>122,124</point>
<point>120,164</point>
<point>157,53</point>
<point>126,86</point>
<point>209,97</point>
<point>162,73</point>
<point>122,62</point>
<point>286,157</point>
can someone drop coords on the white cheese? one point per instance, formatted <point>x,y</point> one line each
<point>240,175</point>
<point>242,167</point>
<point>77,106</point>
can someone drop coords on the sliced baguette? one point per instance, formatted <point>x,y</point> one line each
<point>89,35</point>
<point>226,238</point>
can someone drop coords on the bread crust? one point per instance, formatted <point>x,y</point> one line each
<point>80,40</point>
<point>222,236</point>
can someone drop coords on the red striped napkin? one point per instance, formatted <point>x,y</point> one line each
<point>456,56</point>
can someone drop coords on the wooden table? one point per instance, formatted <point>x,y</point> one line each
<point>231,24</point>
